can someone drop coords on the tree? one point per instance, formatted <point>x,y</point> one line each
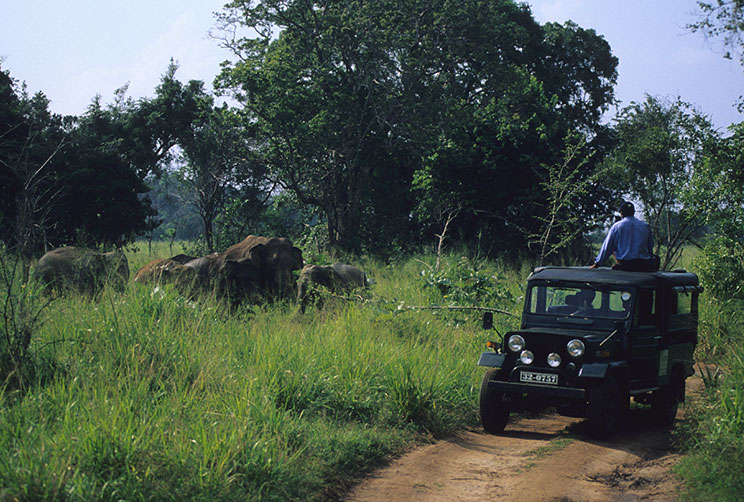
<point>325,97</point>
<point>228,182</point>
<point>76,180</point>
<point>30,139</point>
<point>662,148</point>
<point>353,97</point>
<point>102,200</point>
<point>566,185</point>
<point>723,19</point>
<point>578,67</point>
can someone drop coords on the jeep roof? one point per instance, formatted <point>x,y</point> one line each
<point>618,277</point>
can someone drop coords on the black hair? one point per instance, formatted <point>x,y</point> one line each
<point>627,209</point>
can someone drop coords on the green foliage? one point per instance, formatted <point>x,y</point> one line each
<point>663,151</point>
<point>355,100</point>
<point>469,282</point>
<point>563,225</point>
<point>23,311</point>
<point>713,469</point>
<point>720,267</point>
<point>227,180</point>
<point>723,19</point>
<point>73,177</point>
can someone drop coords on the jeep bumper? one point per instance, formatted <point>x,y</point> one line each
<point>538,390</point>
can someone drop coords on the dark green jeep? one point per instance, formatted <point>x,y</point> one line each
<point>589,340</point>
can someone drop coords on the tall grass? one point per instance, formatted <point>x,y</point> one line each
<point>714,468</point>
<point>157,397</point>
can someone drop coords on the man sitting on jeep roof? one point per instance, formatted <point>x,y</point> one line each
<point>631,242</point>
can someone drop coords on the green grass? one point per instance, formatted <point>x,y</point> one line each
<point>714,431</point>
<point>147,395</point>
<point>156,397</point>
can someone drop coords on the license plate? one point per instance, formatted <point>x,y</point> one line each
<point>527,376</point>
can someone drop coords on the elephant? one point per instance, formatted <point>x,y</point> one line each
<point>276,259</point>
<point>237,279</point>
<point>338,278</point>
<point>167,270</point>
<point>84,270</point>
<point>181,258</point>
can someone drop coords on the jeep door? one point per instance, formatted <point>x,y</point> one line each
<point>645,340</point>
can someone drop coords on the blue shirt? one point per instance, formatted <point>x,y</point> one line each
<point>629,239</point>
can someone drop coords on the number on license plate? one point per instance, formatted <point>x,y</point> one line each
<point>527,376</point>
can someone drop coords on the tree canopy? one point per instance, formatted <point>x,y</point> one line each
<point>359,102</point>
<point>662,150</point>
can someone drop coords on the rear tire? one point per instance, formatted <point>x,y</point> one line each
<point>494,411</point>
<point>604,407</point>
<point>665,401</point>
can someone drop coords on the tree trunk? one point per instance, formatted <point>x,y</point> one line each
<point>343,227</point>
<point>208,233</point>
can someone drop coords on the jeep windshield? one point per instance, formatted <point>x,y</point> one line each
<point>579,303</point>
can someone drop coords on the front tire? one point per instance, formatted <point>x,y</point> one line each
<point>494,411</point>
<point>604,407</point>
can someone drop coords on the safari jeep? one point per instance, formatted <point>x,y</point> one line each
<point>590,339</point>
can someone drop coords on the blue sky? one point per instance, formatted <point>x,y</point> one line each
<point>658,56</point>
<point>74,49</point>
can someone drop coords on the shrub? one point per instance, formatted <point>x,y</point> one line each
<point>720,267</point>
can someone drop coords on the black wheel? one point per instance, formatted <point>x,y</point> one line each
<point>494,411</point>
<point>665,401</point>
<point>604,407</point>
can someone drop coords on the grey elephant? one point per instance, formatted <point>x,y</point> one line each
<point>84,270</point>
<point>275,257</point>
<point>236,279</point>
<point>338,278</point>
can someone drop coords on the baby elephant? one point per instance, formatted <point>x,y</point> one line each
<point>338,278</point>
<point>167,271</point>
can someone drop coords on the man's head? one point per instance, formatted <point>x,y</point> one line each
<point>627,209</point>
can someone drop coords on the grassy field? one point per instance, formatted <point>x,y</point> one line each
<point>147,395</point>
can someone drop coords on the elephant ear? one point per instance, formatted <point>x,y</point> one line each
<point>257,254</point>
<point>247,270</point>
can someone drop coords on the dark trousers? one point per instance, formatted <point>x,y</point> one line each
<point>638,265</point>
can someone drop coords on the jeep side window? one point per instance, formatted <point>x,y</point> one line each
<point>646,308</point>
<point>684,303</point>
<point>682,309</point>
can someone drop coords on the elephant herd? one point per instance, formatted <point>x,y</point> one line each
<point>254,270</point>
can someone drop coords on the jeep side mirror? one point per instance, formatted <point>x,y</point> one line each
<point>487,320</point>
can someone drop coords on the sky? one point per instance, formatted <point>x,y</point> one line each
<point>73,50</point>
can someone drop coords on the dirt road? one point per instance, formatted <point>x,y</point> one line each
<point>542,458</point>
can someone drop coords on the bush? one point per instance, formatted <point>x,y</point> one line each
<point>714,468</point>
<point>22,306</point>
<point>720,267</point>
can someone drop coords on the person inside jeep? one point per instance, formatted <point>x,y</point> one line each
<point>631,242</point>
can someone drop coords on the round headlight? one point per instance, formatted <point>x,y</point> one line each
<point>575,348</point>
<point>526,357</point>
<point>554,360</point>
<point>516,343</point>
